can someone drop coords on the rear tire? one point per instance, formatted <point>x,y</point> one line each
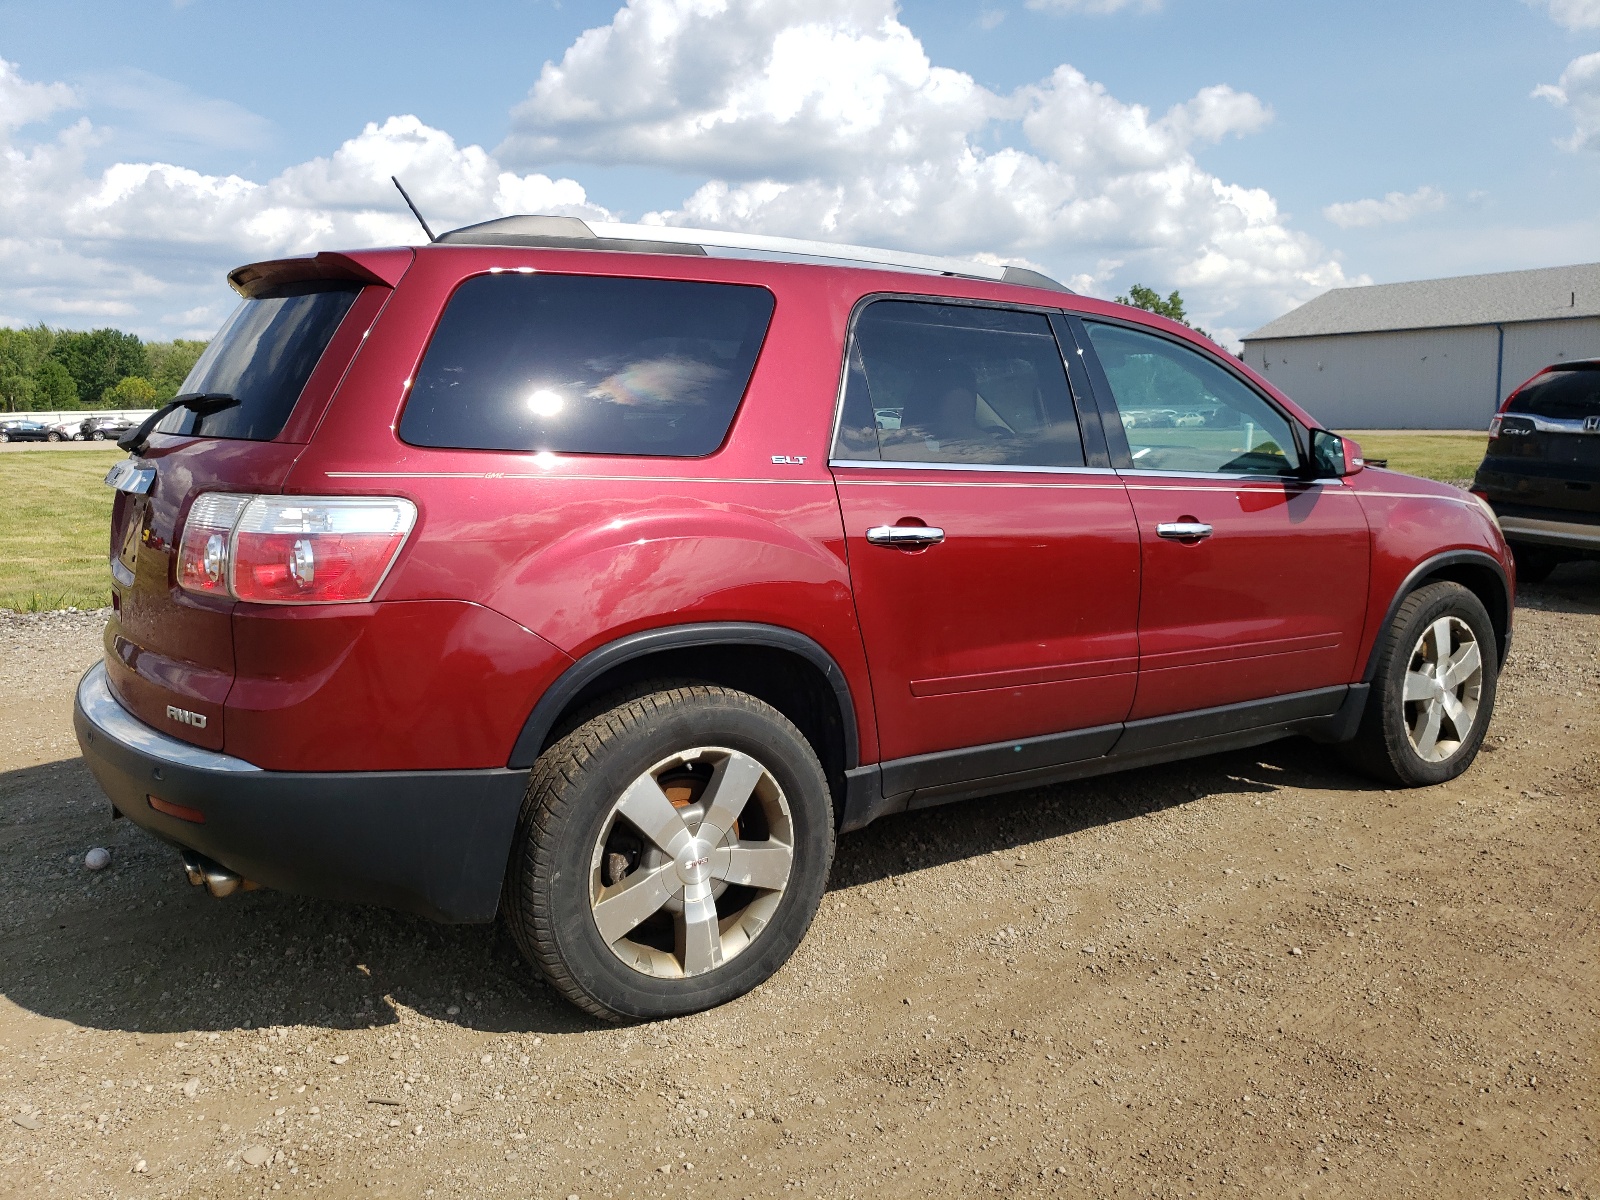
<point>1434,691</point>
<point>671,853</point>
<point>1534,563</point>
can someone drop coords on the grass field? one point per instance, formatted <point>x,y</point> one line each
<point>54,524</point>
<point>1451,457</point>
<point>54,529</point>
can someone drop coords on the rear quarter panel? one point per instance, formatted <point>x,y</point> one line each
<point>583,549</point>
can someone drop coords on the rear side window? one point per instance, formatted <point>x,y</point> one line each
<point>1560,395</point>
<point>957,384</point>
<point>262,357</point>
<point>587,365</point>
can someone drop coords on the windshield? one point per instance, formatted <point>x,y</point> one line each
<point>262,356</point>
<point>1562,395</point>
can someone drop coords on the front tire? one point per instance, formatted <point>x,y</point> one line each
<point>671,853</point>
<point>1434,691</point>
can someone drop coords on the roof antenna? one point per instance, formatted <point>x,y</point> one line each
<point>413,209</point>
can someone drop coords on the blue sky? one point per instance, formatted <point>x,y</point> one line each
<point>1251,154</point>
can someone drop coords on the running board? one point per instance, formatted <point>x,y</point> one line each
<point>924,780</point>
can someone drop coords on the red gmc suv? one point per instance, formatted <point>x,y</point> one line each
<point>599,576</point>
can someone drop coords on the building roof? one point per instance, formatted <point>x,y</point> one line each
<point>1549,293</point>
<point>572,233</point>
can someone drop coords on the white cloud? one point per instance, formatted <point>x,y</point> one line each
<point>160,109</point>
<point>829,120</point>
<point>990,18</point>
<point>145,245</point>
<point>1572,14</point>
<point>1579,91</point>
<point>781,88</point>
<point>1096,7</point>
<point>815,118</point>
<point>23,103</point>
<point>1392,209</point>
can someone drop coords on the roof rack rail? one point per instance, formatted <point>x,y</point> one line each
<point>571,233</point>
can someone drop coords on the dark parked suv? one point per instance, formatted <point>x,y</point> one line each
<point>598,577</point>
<point>1541,472</point>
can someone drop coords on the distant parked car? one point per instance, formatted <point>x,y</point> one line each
<point>1541,472</point>
<point>27,431</point>
<point>99,429</point>
<point>66,431</point>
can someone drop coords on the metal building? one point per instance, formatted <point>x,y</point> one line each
<point>1435,354</point>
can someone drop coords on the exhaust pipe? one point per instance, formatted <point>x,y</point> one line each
<point>218,880</point>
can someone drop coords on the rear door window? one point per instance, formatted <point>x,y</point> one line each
<point>263,356</point>
<point>956,384</point>
<point>587,365</point>
<point>1569,395</point>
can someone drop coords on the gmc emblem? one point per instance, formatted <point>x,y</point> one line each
<point>184,717</point>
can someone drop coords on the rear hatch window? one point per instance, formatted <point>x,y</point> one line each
<point>1563,395</point>
<point>587,365</point>
<point>262,357</point>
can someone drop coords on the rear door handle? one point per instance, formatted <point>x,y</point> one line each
<point>907,537</point>
<point>1183,531</point>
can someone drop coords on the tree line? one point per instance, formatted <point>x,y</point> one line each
<point>45,370</point>
<point>1151,300</point>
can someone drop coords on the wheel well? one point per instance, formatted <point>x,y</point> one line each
<point>1484,583</point>
<point>789,682</point>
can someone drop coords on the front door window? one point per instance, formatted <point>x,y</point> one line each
<point>1183,412</point>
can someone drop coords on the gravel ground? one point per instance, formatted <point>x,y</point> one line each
<point>1254,974</point>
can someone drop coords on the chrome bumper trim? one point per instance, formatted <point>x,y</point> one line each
<point>107,718</point>
<point>1560,533</point>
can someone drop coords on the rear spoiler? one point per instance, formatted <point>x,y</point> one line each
<point>381,267</point>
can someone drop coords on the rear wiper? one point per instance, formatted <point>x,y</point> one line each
<point>200,403</point>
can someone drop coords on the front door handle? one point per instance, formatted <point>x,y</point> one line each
<point>1183,531</point>
<point>907,537</point>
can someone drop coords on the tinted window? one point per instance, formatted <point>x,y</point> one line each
<point>1560,395</point>
<point>263,356</point>
<point>1183,412</point>
<point>587,365</point>
<point>950,383</point>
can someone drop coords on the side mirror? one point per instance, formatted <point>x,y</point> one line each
<point>1332,456</point>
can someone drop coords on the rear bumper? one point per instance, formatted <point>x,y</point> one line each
<point>1573,535</point>
<point>428,842</point>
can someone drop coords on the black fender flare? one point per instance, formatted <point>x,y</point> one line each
<point>1428,566</point>
<point>597,662</point>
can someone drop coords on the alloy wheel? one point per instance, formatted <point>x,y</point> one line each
<point>1443,685</point>
<point>691,862</point>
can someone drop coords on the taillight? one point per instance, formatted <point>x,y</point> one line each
<point>1494,426</point>
<point>203,552</point>
<point>292,549</point>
